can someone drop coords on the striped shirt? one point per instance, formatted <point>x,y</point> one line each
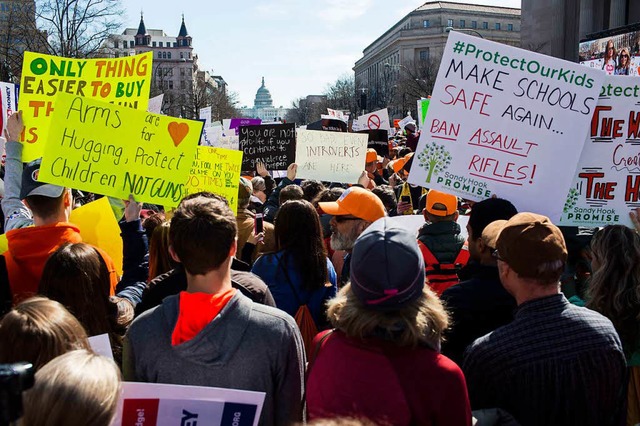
<point>555,364</point>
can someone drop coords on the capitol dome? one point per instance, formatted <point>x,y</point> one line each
<point>263,97</point>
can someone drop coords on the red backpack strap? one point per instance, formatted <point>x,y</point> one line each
<point>463,255</point>
<point>429,258</point>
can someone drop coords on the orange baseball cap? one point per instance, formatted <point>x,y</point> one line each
<point>448,201</point>
<point>357,202</point>
<point>401,162</point>
<point>372,155</point>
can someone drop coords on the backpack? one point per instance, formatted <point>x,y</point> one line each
<point>303,317</point>
<point>441,276</point>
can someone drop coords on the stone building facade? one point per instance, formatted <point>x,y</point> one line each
<point>415,44</point>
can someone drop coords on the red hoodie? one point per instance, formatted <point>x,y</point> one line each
<point>29,249</point>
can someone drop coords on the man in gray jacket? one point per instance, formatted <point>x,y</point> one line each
<point>211,334</point>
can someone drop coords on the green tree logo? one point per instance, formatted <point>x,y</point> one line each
<point>572,199</point>
<point>435,159</point>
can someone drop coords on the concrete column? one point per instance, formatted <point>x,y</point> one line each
<point>617,17</point>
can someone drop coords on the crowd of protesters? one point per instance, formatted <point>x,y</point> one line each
<point>319,295</point>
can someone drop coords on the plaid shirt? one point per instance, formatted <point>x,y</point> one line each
<point>555,364</point>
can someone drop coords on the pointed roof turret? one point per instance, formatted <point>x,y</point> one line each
<point>142,30</point>
<point>183,29</point>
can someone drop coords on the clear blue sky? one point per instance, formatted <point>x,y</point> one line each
<point>299,46</point>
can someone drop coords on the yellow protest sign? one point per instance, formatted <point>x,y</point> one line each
<point>216,170</point>
<point>98,226</point>
<point>117,151</point>
<point>122,81</point>
<point>4,244</point>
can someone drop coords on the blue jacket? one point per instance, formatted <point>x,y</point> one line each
<point>267,268</point>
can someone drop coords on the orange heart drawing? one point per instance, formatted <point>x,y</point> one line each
<point>178,131</point>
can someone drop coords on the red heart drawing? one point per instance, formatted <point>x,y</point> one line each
<point>178,131</point>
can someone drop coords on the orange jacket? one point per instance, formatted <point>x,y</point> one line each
<point>29,249</point>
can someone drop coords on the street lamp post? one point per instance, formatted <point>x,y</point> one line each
<point>449,29</point>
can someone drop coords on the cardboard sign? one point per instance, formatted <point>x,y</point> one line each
<point>117,151</point>
<point>121,81</point>
<point>273,144</point>
<point>98,226</point>
<point>216,170</point>
<point>408,119</point>
<point>155,104</point>
<point>331,156</point>
<point>153,404</point>
<point>606,185</point>
<point>505,121</point>
<point>101,345</point>
<point>205,114</point>
<point>378,140</point>
<point>375,120</point>
<point>9,100</point>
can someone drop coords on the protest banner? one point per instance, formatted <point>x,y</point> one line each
<point>334,113</point>
<point>101,345</point>
<point>331,156</point>
<point>505,121</point>
<point>378,140</point>
<point>154,404</point>
<point>423,107</point>
<point>114,150</point>
<point>606,185</point>
<point>413,223</point>
<point>408,119</point>
<point>274,145</point>
<point>155,104</point>
<point>122,81</point>
<point>99,226</point>
<point>205,114</point>
<point>235,123</point>
<point>216,170</point>
<point>374,120</point>
<point>9,100</point>
<point>328,125</point>
<point>219,138</point>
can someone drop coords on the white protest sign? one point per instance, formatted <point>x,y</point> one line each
<point>413,223</point>
<point>226,122</point>
<point>330,156</point>
<point>210,134</point>
<point>101,345</point>
<point>155,404</point>
<point>375,120</point>
<point>408,119</point>
<point>606,185</point>
<point>205,114</point>
<point>334,113</point>
<point>155,104</point>
<point>9,103</point>
<point>505,121</point>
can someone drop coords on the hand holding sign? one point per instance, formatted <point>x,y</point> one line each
<point>15,126</point>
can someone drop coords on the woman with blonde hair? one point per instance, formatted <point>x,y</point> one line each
<point>382,361</point>
<point>78,388</point>
<point>624,62</point>
<point>38,330</point>
<point>614,291</point>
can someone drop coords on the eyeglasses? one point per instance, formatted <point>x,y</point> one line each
<point>341,219</point>
<point>624,56</point>
<point>496,255</point>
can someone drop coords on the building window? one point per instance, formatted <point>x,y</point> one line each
<point>189,55</point>
<point>124,44</point>
<point>175,44</point>
<point>159,55</point>
<point>449,22</point>
<point>169,55</point>
<point>115,44</point>
<point>462,23</point>
<point>509,27</point>
<point>181,72</point>
<point>485,25</point>
<point>131,43</point>
<point>153,44</point>
<point>181,55</point>
<point>474,24</point>
<point>426,23</point>
<point>170,84</point>
<point>164,55</point>
<point>424,55</point>
<point>160,44</point>
<point>497,25</point>
<point>117,55</point>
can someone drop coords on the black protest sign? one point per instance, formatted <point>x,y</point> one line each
<point>378,140</point>
<point>273,144</point>
<point>328,125</point>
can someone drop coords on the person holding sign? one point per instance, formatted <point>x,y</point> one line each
<point>47,207</point>
<point>211,334</point>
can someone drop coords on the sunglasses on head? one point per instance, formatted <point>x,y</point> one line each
<point>341,219</point>
<point>496,255</point>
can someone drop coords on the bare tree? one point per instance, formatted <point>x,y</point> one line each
<point>74,28</point>
<point>341,94</point>
<point>414,80</point>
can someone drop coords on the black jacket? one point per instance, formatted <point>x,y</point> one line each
<point>175,281</point>
<point>477,306</point>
